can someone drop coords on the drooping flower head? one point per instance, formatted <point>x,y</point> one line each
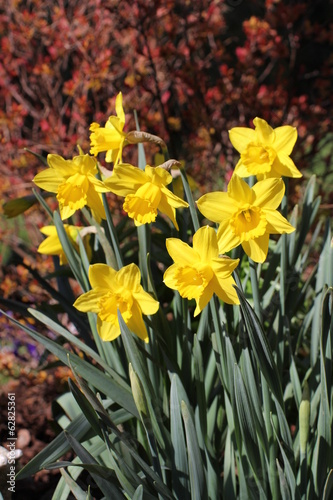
<point>117,290</point>
<point>247,216</point>
<point>199,272</point>
<point>145,192</point>
<point>52,246</point>
<point>110,139</point>
<point>264,151</point>
<point>74,182</point>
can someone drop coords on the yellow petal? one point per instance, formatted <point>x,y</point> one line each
<point>64,168</point>
<point>102,276</point>
<point>129,277</point>
<point>217,206</point>
<point>172,199</point>
<point>158,175</point>
<point>257,248</point>
<point>49,180</point>
<point>287,167</point>
<point>240,191</point>
<point>240,137</point>
<point>136,323</point>
<point>181,253</point>
<point>285,138</point>
<point>241,170</point>
<point>107,331</point>
<point>265,133</point>
<point>226,237</point>
<point>89,301</point>
<point>224,289</point>
<point>205,244</point>
<point>98,185</point>
<point>120,109</point>
<point>50,246</point>
<point>204,298</point>
<point>146,302</point>
<point>168,210</point>
<point>95,202</point>
<point>170,276</point>
<point>223,267</point>
<point>66,211</point>
<point>277,224</point>
<point>126,179</point>
<point>269,193</point>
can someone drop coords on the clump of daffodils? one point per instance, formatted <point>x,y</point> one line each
<point>245,215</point>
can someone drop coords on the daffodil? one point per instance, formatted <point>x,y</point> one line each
<point>117,290</point>
<point>145,192</point>
<point>111,137</point>
<point>199,272</point>
<point>247,216</point>
<point>52,246</point>
<point>74,182</point>
<point>265,151</point>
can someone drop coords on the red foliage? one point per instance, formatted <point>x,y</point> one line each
<point>192,70</point>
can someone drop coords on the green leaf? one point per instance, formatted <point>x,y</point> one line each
<point>180,478</point>
<point>196,470</point>
<point>261,348</point>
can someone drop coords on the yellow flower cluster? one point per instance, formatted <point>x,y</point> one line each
<point>246,216</point>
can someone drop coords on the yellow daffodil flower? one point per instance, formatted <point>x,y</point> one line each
<point>247,216</point>
<point>52,246</point>
<point>74,182</point>
<point>117,290</point>
<point>199,272</point>
<point>264,151</point>
<point>145,192</point>
<point>111,137</point>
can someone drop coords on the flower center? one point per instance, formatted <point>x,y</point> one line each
<point>191,281</point>
<point>73,192</point>
<point>258,159</point>
<point>142,206</point>
<point>111,302</point>
<point>248,223</point>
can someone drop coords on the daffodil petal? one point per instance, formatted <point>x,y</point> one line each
<point>126,179</point>
<point>287,167</point>
<point>203,300</point>
<point>88,302</point>
<point>99,186</point>
<point>227,239</point>
<point>65,211</point>
<point>205,243</point>
<point>172,199</point>
<point>277,224</point>
<point>168,210</point>
<point>49,180</point>
<point>101,276</point>
<point>240,191</point>
<point>240,137</point>
<point>129,277</point>
<point>169,276</point>
<point>64,168</point>
<point>223,267</point>
<point>285,139</point>
<point>181,253</point>
<point>146,302</point>
<point>107,331</point>
<point>269,193</point>
<point>257,248</point>
<point>94,201</point>
<point>136,323</point>
<point>120,109</point>
<point>265,133</point>
<point>50,246</point>
<point>225,290</point>
<point>241,170</point>
<point>217,206</point>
